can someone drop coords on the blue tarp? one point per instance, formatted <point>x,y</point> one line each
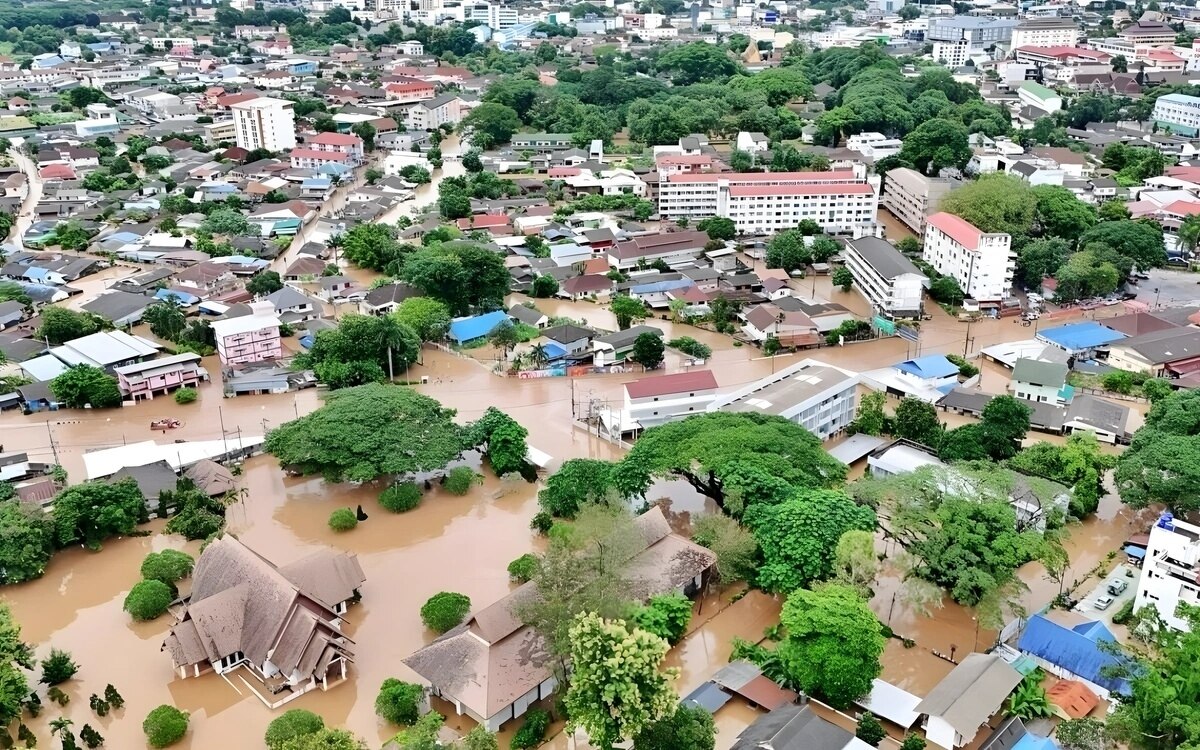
<point>1033,742</point>
<point>662,286</point>
<point>469,329</point>
<point>1075,650</point>
<point>182,297</point>
<point>1138,553</point>
<point>932,366</point>
<point>553,350</point>
<point>1077,337</point>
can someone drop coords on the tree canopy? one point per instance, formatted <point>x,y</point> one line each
<point>91,512</point>
<point>1162,464</point>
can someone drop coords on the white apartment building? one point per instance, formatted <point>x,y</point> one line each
<point>220,130</point>
<point>952,54</point>
<point>889,281</point>
<point>433,113</point>
<point>492,15</point>
<point>1045,32</point>
<point>151,101</point>
<point>1169,570</point>
<point>842,202</point>
<point>874,146</point>
<point>1179,112</point>
<point>666,398</point>
<point>909,195</point>
<point>265,123</point>
<point>982,263</point>
<point>820,398</point>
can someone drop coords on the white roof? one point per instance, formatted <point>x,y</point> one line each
<point>243,324</point>
<point>1008,353</point>
<point>538,458</point>
<point>855,447</point>
<point>903,459</point>
<point>108,461</point>
<point>896,705</point>
<point>105,348</point>
<point>890,379</point>
<point>43,368</point>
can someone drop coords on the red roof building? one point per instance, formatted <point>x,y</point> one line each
<point>960,230</point>
<point>676,384</point>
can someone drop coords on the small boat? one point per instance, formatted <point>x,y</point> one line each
<point>165,424</point>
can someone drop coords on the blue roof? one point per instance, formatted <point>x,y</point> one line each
<point>931,366</point>
<point>469,329</point>
<point>1135,552</point>
<point>553,350</point>
<point>1033,742</point>
<point>317,182</point>
<point>1075,650</point>
<point>1079,336</point>
<point>661,286</point>
<point>183,297</point>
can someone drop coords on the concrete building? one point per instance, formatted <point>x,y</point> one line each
<point>1045,32</point>
<point>435,112</point>
<point>492,15</point>
<point>161,376</point>
<point>265,123</point>
<point>842,201</point>
<point>820,398</point>
<point>542,143</point>
<point>1169,571</point>
<point>910,195</point>
<point>889,281</point>
<point>1179,112</point>
<point>665,398</point>
<point>982,263</point>
<point>979,32</point>
<point>1046,382</point>
<point>249,338</point>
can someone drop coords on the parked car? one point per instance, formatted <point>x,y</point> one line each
<point>1117,586</point>
<point>1104,602</point>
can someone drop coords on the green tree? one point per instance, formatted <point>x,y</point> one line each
<point>228,222</point>
<point>854,560</point>
<point>753,456</point>
<point>1140,242</point>
<point>343,519</point>
<point>503,438</point>
<point>734,546</point>
<point>165,726</point>
<point>1113,210</point>
<point>627,310</point>
<point>471,161</point>
<point>798,537</point>
<point>936,145</point>
<point>58,667</point>
<point>263,283</point>
<point>1083,734</point>
<point>689,727</point>
<point>365,131</point>
<point>1162,464</point>
<point>325,739</point>
<point>362,349</point>
<point>648,350</point>
<point>27,542</point>
<point>148,599</point>
<point>462,275</point>
<point>399,702</point>
<point>871,418</point>
<point>1003,424</point>
<point>543,287</point>
<point>60,325</point>
<point>334,441</point>
<point>666,616</point>
<point>788,250</point>
<point>169,566</point>
<point>696,62</point>
<point>616,688</point>
<point>1041,258</point>
<point>833,643</point>
<point>995,203</point>
<point>869,730</point>
<point>1029,701</point>
<point>479,738</point>
<point>718,228</point>
<point>445,610</point>
<point>166,319</point>
<point>918,421</point>
<point>1060,214</point>
<point>90,512</point>
<point>372,246</point>
<point>83,385</point>
<point>429,318</point>
<point>843,278</point>
<point>292,723</point>
<point>913,741</point>
<point>577,482</point>
<point>15,657</point>
<point>491,124</point>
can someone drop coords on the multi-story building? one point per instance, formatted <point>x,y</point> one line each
<point>1179,112</point>
<point>265,122</point>
<point>1045,32</point>
<point>909,195</point>
<point>841,202</point>
<point>542,142</point>
<point>1151,33</point>
<point>409,91</point>
<point>433,113</point>
<point>220,130</point>
<point>152,101</point>
<point>249,338</point>
<point>493,15</point>
<point>980,32</point>
<point>665,398</point>
<point>307,158</point>
<point>1170,570</point>
<point>338,143</point>
<point>889,281</point>
<point>953,54</point>
<point>144,379</point>
<point>982,263</point>
<point>820,398</point>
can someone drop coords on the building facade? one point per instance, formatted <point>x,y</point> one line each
<point>160,376</point>
<point>1169,570</point>
<point>265,123</point>
<point>820,398</point>
<point>249,338</point>
<point>1179,112</point>
<point>889,281</point>
<point>982,263</point>
<point>909,195</point>
<point>1045,32</point>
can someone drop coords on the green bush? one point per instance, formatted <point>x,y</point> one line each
<point>58,667</point>
<point>165,726</point>
<point>461,479</point>
<point>401,497</point>
<point>294,723</point>
<point>541,522</point>
<point>399,702</point>
<point>523,568</point>
<point>869,730</point>
<point>342,519</point>
<point>965,368</point>
<point>186,395</point>
<point>667,616</point>
<point>532,732</point>
<point>445,610</point>
<point>1123,615</point>
<point>148,599</point>
<point>168,566</point>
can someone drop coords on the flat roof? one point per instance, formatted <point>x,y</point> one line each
<point>785,389</point>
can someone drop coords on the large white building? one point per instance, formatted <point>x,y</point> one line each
<point>909,195</point>
<point>1179,112</point>
<point>842,202</point>
<point>1169,572</point>
<point>265,123</point>
<point>982,263</point>
<point>1045,32</point>
<point>820,398</point>
<point>492,15</point>
<point>889,281</point>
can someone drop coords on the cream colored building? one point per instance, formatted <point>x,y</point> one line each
<point>911,196</point>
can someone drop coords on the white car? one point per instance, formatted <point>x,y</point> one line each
<point>1104,602</point>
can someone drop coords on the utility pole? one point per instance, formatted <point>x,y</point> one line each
<point>968,340</point>
<point>53,447</point>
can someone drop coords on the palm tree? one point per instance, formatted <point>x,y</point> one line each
<point>391,335</point>
<point>539,356</point>
<point>1189,233</point>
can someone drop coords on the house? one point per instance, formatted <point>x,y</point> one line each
<point>1035,380</point>
<point>792,328</point>
<point>431,114</point>
<point>106,350</point>
<point>820,398</point>
<point>570,339</point>
<point>530,316</point>
<point>928,378</point>
<point>464,330</point>
<point>335,287</point>
<point>385,299</point>
<point>142,380</point>
<point>249,338</point>
<point>900,457</point>
<point>1172,352</point>
<point>11,313</point>
<point>1071,646</point>
<point>1080,340</point>
<point>889,281</point>
<point>615,348</point>
<point>665,398</point>
<point>492,668</point>
<point>338,143</point>
<point>152,480</point>
<point>669,247</point>
<point>542,143</point>
<point>795,727</point>
<point>966,698</point>
<point>277,629</point>
<point>122,309</point>
<point>293,306</point>
<point>304,267</point>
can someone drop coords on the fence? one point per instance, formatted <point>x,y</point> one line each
<point>569,372</point>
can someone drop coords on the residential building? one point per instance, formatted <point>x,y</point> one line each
<point>615,348</point>
<point>542,143</point>
<point>793,727</point>
<point>219,131</point>
<point>1179,112</point>
<point>406,92</point>
<point>1033,94</point>
<point>820,398</point>
<point>1148,33</point>
<point>277,630</point>
<point>910,195</point>
<point>492,15</point>
<point>1045,32</point>
<point>982,263</point>
<point>143,380</point>
<point>106,350</point>
<point>307,158</point>
<point>152,102</point>
<point>965,699</point>
<point>249,338</point>
<point>841,202</point>
<point>1171,570</point>
<point>1034,380</point>
<point>1074,647</point>
<point>338,143</point>
<point>265,122</point>
<point>669,247</point>
<point>1081,340</point>
<point>433,113</point>
<point>665,398</point>
<point>889,281</point>
<point>1171,352</point>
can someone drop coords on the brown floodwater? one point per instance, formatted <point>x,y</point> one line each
<point>448,543</point>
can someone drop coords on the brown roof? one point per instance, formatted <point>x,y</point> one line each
<point>1135,324</point>
<point>762,691</point>
<point>659,244</point>
<point>211,477</point>
<point>306,266</point>
<point>1073,697</point>
<point>663,385</point>
<point>586,284</point>
<point>329,580</point>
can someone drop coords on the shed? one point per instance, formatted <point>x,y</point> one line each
<point>470,329</point>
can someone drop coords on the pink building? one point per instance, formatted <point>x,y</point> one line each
<point>409,92</point>
<point>338,143</point>
<point>160,376</point>
<point>249,338</point>
<point>307,158</point>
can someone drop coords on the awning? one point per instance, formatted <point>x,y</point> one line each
<point>1136,553</point>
